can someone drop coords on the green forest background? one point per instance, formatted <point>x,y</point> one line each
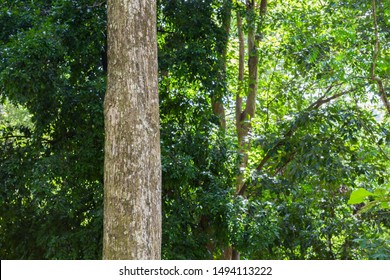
<point>317,180</point>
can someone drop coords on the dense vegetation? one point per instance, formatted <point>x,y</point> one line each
<point>308,181</point>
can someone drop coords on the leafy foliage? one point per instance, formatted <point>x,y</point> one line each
<point>51,170</point>
<point>318,150</point>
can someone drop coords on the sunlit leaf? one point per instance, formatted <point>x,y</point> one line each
<point>358,196</point>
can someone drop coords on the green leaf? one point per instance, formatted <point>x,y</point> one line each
<point>358,196</point>
<point>385,205</point>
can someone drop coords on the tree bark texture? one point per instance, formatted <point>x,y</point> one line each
<point>132,167</point>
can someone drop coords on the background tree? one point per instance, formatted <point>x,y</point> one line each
<point>53,83</point>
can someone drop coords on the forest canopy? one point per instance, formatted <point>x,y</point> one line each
<point>274,128</point>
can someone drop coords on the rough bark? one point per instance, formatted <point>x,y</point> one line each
<point>132,168</point>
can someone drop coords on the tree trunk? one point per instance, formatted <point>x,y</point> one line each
<point>222,47</point>
<point>239,95</point>
<point>244,117</point>
<point>132,167</point>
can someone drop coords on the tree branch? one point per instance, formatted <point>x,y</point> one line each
<point>323,100</point>
<point>314,106</point>
<point>14,136</point>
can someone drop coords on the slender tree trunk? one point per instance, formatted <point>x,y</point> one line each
<point>230,253</point>
<point>132,168</point>
<point>244,117</point>
<point>239,95</point>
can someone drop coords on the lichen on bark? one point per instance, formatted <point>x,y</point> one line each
<point>132,171</point>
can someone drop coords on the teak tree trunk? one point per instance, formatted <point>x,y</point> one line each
<point>132,167</point>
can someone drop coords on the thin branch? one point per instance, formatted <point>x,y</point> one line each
<point>97,4</point>
<point>14,136</point>
<point>160,30</point>
<point>288,160</point>
<point>315,105</point>
<point>321,101</point>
